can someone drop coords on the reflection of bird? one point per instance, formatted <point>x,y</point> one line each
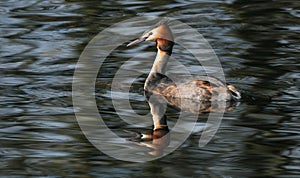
<point>157,139</point>
<point>199,88</point>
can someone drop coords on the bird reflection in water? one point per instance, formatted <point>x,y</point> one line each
<point>158,138</point>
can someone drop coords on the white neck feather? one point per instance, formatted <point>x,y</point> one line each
<point>160,62</point>
<point>159,65</point>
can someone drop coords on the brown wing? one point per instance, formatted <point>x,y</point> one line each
<point>199,90</point>
<point>195,96</point>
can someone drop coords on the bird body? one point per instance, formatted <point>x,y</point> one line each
<point>199,88</point>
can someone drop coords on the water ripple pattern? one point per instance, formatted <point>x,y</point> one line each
<point>257,43</point>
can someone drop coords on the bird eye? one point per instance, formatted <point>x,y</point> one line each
<point>149,34</point>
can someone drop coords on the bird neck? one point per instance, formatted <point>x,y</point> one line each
<point>164,51</point>
<point>160,62</point>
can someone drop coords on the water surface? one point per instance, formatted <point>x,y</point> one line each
<point>257,43</point>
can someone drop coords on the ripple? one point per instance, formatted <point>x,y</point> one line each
<point>8,111</point>
<point>45,93</point>
<point>15,31</point>
<point>40,110</point>
<point>14,81</point>
<point>41,153</point>
<point>293,152</point>
<point>12,65</point>
<point>12,129</point>
<point>12,48</point>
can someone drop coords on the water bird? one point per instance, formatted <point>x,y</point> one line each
<point>197,88</point>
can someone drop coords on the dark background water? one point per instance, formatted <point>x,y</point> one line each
<point>257,43</point>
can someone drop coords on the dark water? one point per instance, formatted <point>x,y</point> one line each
<point>257,43</point>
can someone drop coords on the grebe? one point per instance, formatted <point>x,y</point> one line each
<point>198,88</point>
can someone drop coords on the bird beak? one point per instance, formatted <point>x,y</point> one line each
<point>137,41</point>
